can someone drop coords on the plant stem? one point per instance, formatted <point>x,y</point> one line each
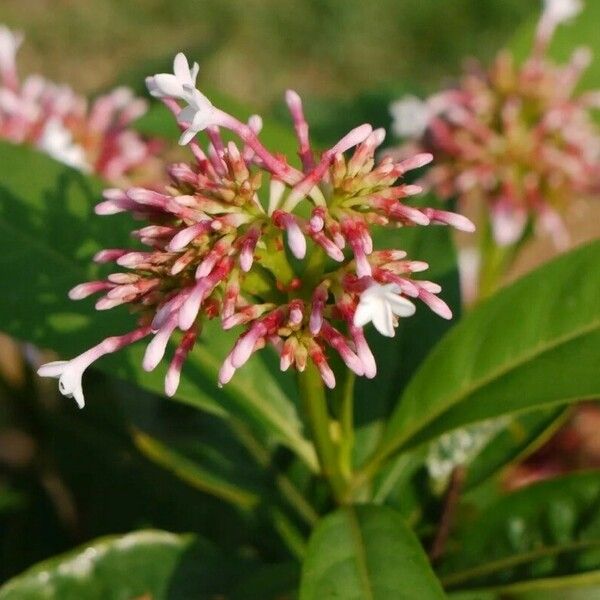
<point>448,515</point>
<point>364,476</point>
<point>346,418</point>
<point>314,402</point>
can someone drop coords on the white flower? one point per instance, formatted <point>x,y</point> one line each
<point>181,85</point>
<point>196,116</point>
<point>410,116</point>
<point>381,304</point>
<point>69,374</point>
<point>56,141</point>
<point>167,85</point>
<point>10,41</point>
<point>559,11</point>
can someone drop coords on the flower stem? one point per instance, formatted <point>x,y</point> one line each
<point>346,419</point>
<point>314,402</point>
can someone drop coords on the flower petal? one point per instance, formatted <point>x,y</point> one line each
<point>168,85</point>
<point>362,316</point>
<point>383,319</point>
<point>52,369</point>
<point>181,68</point>
<point>187,136</point>
<point>401,306</point>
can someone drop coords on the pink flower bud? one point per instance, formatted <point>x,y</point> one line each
<point>83,290</point>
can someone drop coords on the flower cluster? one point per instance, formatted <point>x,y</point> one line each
<point>515,138</point>
<point>242,235</point>
<point>94,138</point>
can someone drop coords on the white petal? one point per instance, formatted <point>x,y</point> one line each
<point>363,313</point>
<point>202,119</point>
<point>152,87</point>
<point>78,397</point>
<point>52,369</point>
<point>194,73</point>
<point>186,116</point>
<point>181,68</point>
<point>199,99</point>
<point>168,85</point>
<point>383,319</point>
<point>401,306</point>
<point>389,288</point>
<point>187,136</point>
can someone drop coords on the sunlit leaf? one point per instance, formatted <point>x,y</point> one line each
<point>366,552</point>
<point>529,346</point>
<point>146,564</point>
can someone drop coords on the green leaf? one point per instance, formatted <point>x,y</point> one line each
<point>519,438</point>
<point>48,234</point>
<point>542,536</point>
<point>270,582</point>
<point>204,478</point>
<point>529,346</point>
<point>366,552</point>
<point>145,564</point>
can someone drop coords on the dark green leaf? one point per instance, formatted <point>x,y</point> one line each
<point>366,552</point>
<point>204,478</point>
<point>520,437</point>
<point>529,346</point>
<point>542,536</point>
<point>271,582</point>
<point>146,564</point>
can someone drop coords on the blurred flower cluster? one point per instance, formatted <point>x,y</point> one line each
<point>92,137</point>
<point>516,140</point>
<point>243,235</point>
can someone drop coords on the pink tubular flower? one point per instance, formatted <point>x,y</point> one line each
<point>287,253</point>
<point>95,137</point>
<point>518,139</point>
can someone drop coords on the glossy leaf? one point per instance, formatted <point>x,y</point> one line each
<point>145,564</point>
<point>48,234</point>
<point>543,536</point>
<point>366,552</point>
<point>530,346</point>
